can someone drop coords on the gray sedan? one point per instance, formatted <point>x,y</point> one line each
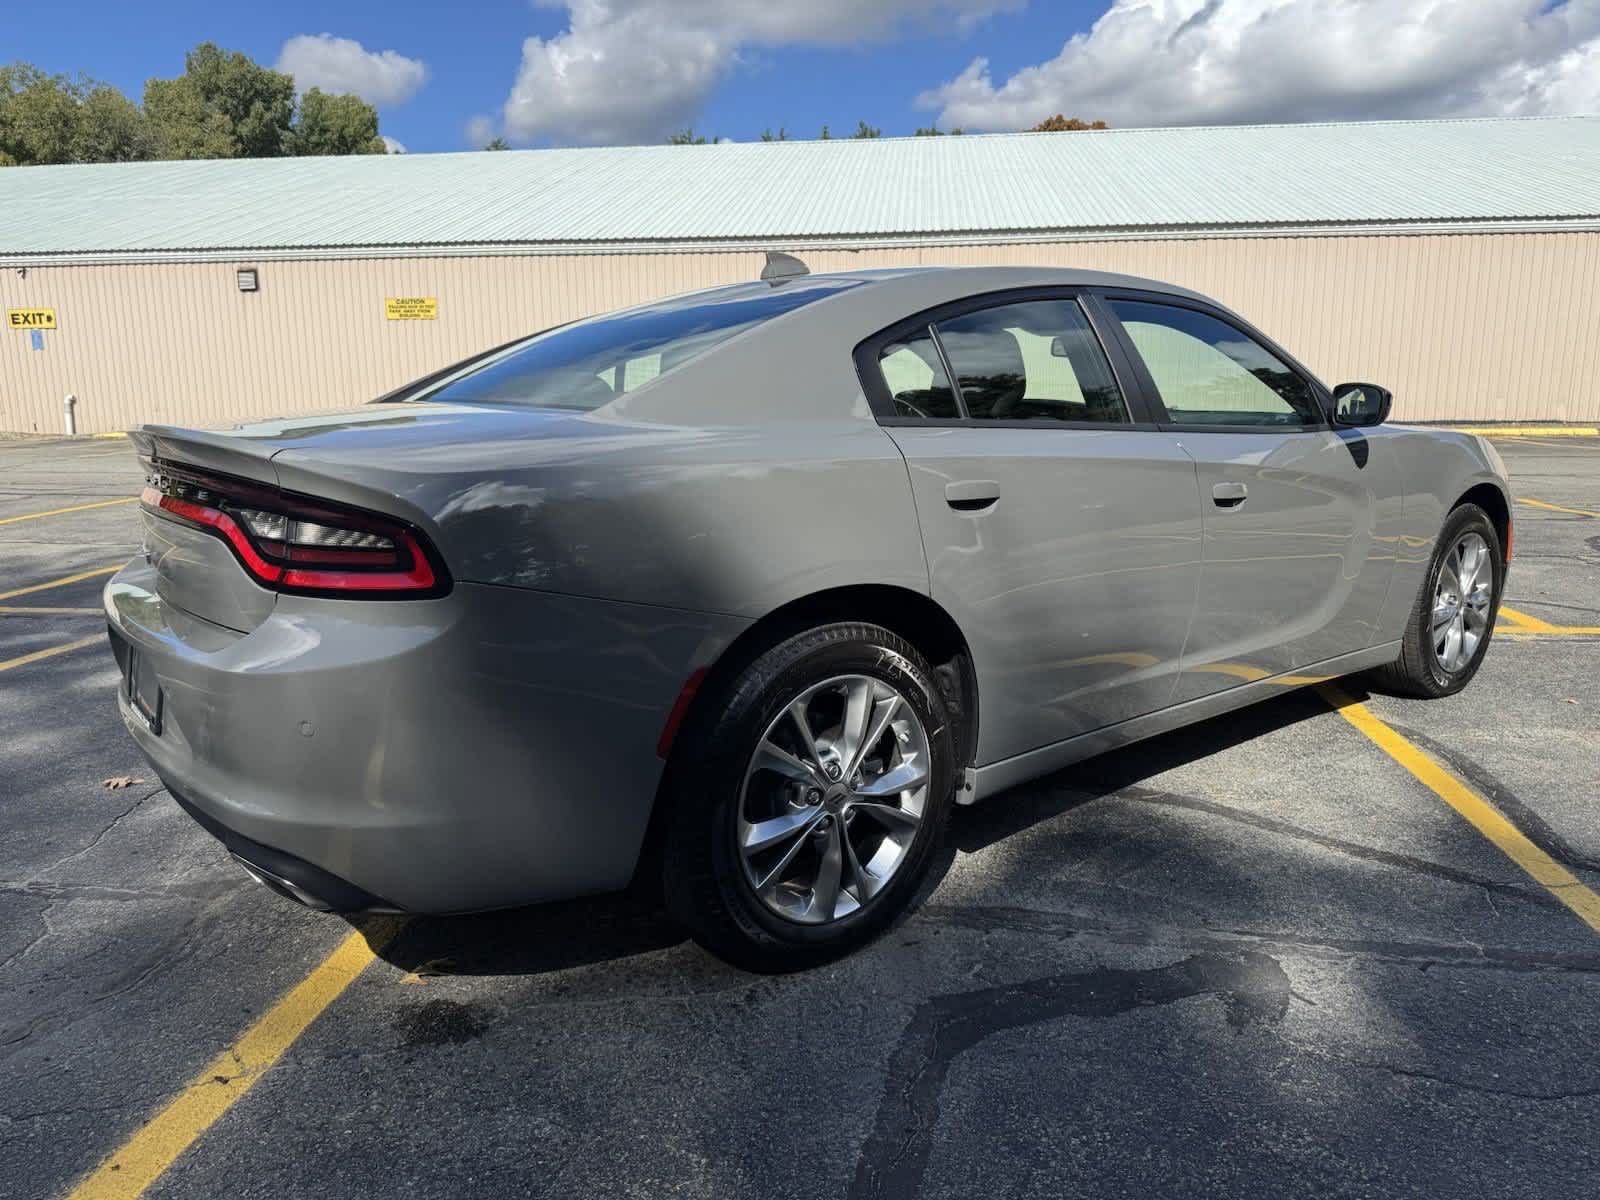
<point>741,590</point>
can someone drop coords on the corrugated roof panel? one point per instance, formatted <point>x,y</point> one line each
<point>1281,175</point>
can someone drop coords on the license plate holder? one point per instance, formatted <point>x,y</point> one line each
<point>143,690</point>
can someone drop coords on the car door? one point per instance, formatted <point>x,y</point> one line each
<point>1061,528</point>
<point>1292,574</point>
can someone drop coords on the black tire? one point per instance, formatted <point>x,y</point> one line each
<point>704,877</point>
<point>1418,671</point>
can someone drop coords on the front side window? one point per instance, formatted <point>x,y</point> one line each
<point>587,363</point>
<point>1031,361</point>
<point>1210,373</point>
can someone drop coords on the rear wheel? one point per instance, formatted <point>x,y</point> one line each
<point>1453,619</point>
<point>809,801</point>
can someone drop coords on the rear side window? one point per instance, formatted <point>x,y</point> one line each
<point>587,363</point>
<point>916,378</point>
<point>1210,373</point>
<point>1034,361</point>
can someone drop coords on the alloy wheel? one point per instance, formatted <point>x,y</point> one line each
<point>832,799</point>
<point>1463,594</point>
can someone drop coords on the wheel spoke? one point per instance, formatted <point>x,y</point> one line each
<point>1443,614</point>
<point>905,775</point>
<point>866,886</point>
<point>882,713</point>
<point>897,819</point>
<point>1451,653</point>
<point>763,835</point>
<point>775,872</point>
<point>825,890</point>
<point>773,757</point>
<point>857,715</point>
<point>797,714</point>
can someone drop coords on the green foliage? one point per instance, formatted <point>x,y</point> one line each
<point>224,105</point>
<point>335,125</point>
<point>863,130</point>
<point>935,131</point>
<point>498,143</point>
<point>53,119</point>
<point>687,137</point>
<point>826,136</point>
<point>781,136</point>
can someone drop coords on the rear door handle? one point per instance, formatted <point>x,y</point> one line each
<point>971,495</point>
<point>1229,494</point>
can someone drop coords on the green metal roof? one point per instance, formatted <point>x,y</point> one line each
<point>768,193</point>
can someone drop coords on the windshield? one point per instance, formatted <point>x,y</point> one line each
<point>586,364</point>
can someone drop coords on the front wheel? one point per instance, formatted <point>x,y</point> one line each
<point>809,801</point>
<point>1453,619</point>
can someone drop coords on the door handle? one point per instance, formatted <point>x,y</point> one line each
<point>1229,494</point>
<point>971,495</point>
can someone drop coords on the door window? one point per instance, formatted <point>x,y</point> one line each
<point>1210,373</point>
<point>1037,360</point>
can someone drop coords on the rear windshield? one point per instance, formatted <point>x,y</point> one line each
<point>587,363</point>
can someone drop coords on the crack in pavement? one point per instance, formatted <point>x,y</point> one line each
<point>1423,955</point>
<point>1253,988</point>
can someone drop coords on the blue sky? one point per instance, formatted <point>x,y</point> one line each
<point>631,70</point>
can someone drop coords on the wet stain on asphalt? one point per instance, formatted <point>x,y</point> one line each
<point>1253,988</point>
<point>440,1023</point>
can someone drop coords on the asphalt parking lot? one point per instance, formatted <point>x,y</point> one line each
<point>1297,950</point>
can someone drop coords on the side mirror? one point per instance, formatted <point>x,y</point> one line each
<point>1358,404</point>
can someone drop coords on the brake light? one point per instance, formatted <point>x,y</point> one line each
<point>295,543</point>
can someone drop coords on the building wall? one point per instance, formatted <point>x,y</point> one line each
<point>1465,327</point>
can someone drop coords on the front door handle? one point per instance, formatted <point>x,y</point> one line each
<point>1229,494</point>
<point>971,495</point>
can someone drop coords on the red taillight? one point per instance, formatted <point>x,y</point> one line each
<point>298,544</point>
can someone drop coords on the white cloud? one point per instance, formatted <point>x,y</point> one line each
<point>335,64</point>
<point>634,70</point>
<point>1191,62</point>
<point>479,131</point>
<point>392,145</point>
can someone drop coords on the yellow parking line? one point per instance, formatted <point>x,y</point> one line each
<point>62,582</point>
<point>1483,816</point>
<point>51,652</point>
<point>1528,430</point>
<point>71,508</point>
<point>17,610</point>
<point>1530,626</point>
<point>1579,512</point>
<point>140,1160</point>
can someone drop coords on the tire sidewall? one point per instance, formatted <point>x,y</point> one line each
<point>1468,519</point>
<point>800,663</point>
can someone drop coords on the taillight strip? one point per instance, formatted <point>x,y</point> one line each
<point>222,523</point>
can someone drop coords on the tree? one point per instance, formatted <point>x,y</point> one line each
<point>826,136</point>
<point>935,131</point>
<point>53,119</point>
<point>863,130</point>
<point>686,137</point>
<point>497,143</point>
<point>224,105</point>
<point>1061,124</point>
<point>335,125</point>
<point>781,136</point>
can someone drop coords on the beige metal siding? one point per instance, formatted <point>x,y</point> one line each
<point>1468,327</point>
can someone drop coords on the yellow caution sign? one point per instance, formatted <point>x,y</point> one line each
<point>31,318</point>
<point>411,308</point>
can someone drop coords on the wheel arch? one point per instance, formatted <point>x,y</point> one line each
<point>1492,500</point>
<point>909,614</point>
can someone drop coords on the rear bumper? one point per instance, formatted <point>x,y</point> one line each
<point>489,748</point>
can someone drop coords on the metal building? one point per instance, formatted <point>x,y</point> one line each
<point>1457,262</point>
